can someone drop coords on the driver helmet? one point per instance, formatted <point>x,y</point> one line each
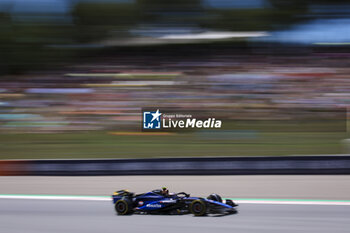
<point>165,190</point>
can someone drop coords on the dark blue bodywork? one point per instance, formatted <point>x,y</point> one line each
<point>155,202</point>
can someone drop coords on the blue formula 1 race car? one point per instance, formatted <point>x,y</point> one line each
<point>156,202</point>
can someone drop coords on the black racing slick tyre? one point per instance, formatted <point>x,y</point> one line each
<point>123,207</point>
<point>198,208</point>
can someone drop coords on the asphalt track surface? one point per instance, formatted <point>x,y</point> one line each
<point>62,216</point>
<point>326,187</point>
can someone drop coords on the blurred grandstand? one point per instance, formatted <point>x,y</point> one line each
<point>89,66</point>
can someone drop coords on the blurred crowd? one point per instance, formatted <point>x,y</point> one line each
<point>109,94</point>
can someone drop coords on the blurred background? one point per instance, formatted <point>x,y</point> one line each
<point>75,75</point>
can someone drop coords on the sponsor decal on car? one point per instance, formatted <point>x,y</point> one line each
<point>168,201</point>
<point>154,205</point>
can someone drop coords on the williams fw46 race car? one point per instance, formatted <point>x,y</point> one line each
<point>155,202</point>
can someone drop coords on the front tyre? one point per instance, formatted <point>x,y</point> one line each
<point>198,208</point>
<point>123,207</point>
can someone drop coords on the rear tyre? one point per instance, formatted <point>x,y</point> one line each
<point>123,207</point>
<point>198,208</point>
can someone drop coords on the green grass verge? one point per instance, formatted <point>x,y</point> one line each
<point>103,145</point>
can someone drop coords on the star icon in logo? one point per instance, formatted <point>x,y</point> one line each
<point>156,115</point>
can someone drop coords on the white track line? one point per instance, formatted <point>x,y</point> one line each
<point>49,197</point>
<point>301,202</point>
<point>106,198</point>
